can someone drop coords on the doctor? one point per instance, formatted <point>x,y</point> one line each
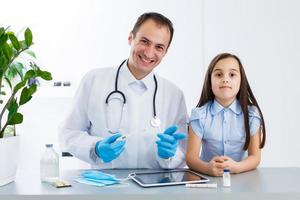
<point>130,100</point>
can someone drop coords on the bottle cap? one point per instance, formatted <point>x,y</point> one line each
<point>226,170</point>
<point>49,145</point>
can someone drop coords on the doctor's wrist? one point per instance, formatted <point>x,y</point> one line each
<point>99,158</point>
<point>93,154</point>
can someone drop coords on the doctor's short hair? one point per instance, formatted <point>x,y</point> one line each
<point>157,18</point>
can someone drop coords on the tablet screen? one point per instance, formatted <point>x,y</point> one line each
<point>169,177</point>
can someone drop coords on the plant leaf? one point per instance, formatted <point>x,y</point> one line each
<point>11,72</point>
<point>2,30</point>
<point>31,53</point>
<point>12,108</point>
<point>16,118</point>
<point>14,42</point>
<point>3,39</point>
<point>3,63</point>
<point>23,45</point>
<point>29,74</point>
<point>8,82</point>
<point>45,75</point>
<point>13,116</point>
<point>14,69</point>
<point>34,66</point>
<point>26,94</point>
<point>7,50</point>
<point>19,85</point>
<point>20,67</point>
<point>28,37</point>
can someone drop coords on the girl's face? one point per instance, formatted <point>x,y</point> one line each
<point>226,80</point>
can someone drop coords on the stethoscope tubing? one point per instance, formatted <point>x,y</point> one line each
<point>123,95</point>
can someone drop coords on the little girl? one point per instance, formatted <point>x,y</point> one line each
<point>227,122</point>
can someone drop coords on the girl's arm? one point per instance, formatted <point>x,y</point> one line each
<point>213,168</point>
<point>253,159</point>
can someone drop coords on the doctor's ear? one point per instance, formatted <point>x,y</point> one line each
<point>130,38</point>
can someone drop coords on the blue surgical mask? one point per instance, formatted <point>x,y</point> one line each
<point>99,183</point>
<point>98,175</point>
<point>97,178</point>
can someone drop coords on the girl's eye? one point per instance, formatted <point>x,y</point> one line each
<point>218,74</point>
<point>232,74</point>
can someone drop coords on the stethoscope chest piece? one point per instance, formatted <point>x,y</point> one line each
<point>155,122</point>
<point>113,122</point>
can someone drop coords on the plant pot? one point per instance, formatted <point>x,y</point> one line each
<point>9,156</point>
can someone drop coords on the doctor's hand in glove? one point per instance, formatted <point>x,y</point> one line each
<point>109,149</point>
<point>168,142</point>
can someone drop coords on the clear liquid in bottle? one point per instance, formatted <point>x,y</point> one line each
<point>49,164</point>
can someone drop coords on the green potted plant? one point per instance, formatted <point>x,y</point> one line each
<point>14,93</point>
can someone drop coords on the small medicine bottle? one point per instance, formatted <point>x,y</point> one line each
<point>226,178</point>
<point>49,164</point>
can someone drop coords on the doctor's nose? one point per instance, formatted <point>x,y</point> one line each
<point>149,51</point>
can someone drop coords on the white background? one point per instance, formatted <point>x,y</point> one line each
<point>73,36</point>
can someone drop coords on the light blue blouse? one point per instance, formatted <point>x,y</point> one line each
<point>222,129</point>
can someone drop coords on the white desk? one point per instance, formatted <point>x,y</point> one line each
<point>263,183</point>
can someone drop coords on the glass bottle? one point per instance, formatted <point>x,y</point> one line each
<point>226,178</point>
<point>49,164</point>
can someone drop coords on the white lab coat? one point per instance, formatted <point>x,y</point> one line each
<point>86,122</point>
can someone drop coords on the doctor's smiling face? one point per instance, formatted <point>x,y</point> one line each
<point>148,46</point>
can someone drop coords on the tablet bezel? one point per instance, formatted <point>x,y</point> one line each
<point>139,182</point>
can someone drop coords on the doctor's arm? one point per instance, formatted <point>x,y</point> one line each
<point>73,132</point>
<point>214,167</point>
<point>176,156</point>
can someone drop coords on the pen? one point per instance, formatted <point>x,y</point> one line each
<point>203,185</point>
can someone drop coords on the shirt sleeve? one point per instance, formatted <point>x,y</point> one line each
<point>254,120</point>
<point>181,120</point>
<point>197,118</point>
<point>74,134</point>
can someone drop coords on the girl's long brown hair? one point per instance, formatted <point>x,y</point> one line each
<point>244,96</point>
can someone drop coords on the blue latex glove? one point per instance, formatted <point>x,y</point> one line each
<point>108,149</point>
<point>168,143</point>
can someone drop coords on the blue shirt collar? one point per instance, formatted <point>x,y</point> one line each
<point>235,107</point>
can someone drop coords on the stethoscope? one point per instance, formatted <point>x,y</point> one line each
<point>155,121</point>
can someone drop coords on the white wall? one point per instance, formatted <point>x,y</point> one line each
<point>72,37</point>
<point>266,36</point>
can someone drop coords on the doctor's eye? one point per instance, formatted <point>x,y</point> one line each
<point>160,48</point>
<point>143,41</point>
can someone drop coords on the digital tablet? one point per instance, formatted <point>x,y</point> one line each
<point>168,177</point>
